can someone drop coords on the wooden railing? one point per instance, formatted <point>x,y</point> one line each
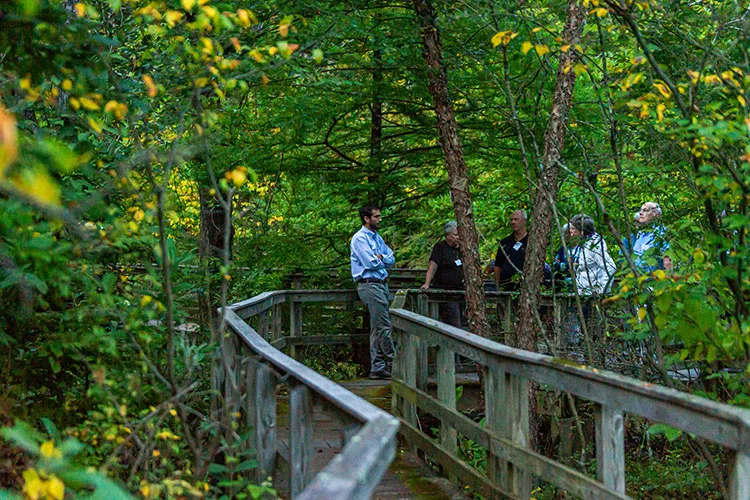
<point>508,372</point>
<point>256,368</point>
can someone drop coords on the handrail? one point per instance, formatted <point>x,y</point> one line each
<point>508,372</point>
<point>359,467</point>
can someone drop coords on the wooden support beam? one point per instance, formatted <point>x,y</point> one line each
<point>610,447</point>
<point>260,411</point>
<point>301,449</point>
<point>295,324</point>
<point>739,478</point>
<point>446,392</point>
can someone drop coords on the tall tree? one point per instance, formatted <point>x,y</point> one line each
<point>457,172</point>
<point>528,326</point>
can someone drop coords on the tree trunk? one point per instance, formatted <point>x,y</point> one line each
<point>457,172</point>
<point>528,325</point>
<point>210,250</point>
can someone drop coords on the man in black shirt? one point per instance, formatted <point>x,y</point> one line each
<point>511,253</point>
<point>446,272</point>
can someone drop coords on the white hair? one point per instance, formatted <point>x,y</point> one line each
<point>450,226</point>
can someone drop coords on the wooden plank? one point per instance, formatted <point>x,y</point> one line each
<point>610,448</point>
<point>301,438</point>
<point>279,343</point>
<point>259,303</point>
<point>295,323</point>
<point>499,471</point>
<point>328,339</point>
<point>323,295</point>
<point>720,423</point>
<point>545,468</point>
<point>446,393</point>
<point>358,469</point>
<point>263,324</point>
<point>434,309</point>
<point>464,472</point>
<point>423,308</point>
<point>276,322</point>
<point>260,411</point>
<point>354,405</point>
<point>739,478</point>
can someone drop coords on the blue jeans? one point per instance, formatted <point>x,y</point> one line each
<point>375,297</point>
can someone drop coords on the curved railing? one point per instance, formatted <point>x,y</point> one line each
<point>370,436</point>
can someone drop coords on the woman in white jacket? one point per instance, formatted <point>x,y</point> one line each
<point>593,266</point>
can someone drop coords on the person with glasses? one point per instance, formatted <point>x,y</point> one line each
<point>649,244</point>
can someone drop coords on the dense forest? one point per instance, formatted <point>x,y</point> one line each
<point>159,159</point>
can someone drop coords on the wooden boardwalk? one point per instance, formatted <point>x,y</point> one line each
<point>408,477</point>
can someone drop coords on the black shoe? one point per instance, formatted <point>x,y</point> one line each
<point>380,375</point>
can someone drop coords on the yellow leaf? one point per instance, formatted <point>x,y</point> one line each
<point>497,39</point>
<point>67,85</point>
<point>663,89</point>
<point>55,488</point>
<point>601,12</point>
<point>565,48</point>
<point>80,9</point>
<point>284,30</point>
<point>89,104</point>
<point>660,111</point>
<point>246,18</point>
<point>173,17</point>
<point>95,124</point>
<point>644,111</point>
<point>33,486</point>
<point>255,54</point>
<point>579,69</point>
<point>741,100</point>
<point>536,30</point>
<point>641,313</point>
<point>526,47</point>
<point>38,184</point>
<point>273,51</point>
<point>541,49</point>
<point>188,4</point>
<point>48,451</point>
<point>8,140</point>
<point>660,274</point>
<point>210,11</point>
<point>150,86</point>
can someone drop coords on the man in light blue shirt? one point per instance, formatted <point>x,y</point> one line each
<point>649,244</point>
<point>370,259</point>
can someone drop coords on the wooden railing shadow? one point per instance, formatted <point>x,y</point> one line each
<point>258,367</point>
<point>508,373</point>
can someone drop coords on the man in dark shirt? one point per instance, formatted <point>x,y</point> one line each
<point>511,253</point>
<point>446,272</point>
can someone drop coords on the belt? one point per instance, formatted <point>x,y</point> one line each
<point>371,280</point>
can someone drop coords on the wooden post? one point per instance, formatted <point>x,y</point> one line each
<point>300,438</point>
<point>263,324</point>
<point>446,392</point>
<point>421,358</point>
<point>276,322</point>
<point>507,415</point>
<point>434,309</point>
<point>295,325</point>
<point>409,371</point>
<point>610,448</point>
<point>260,409</point>
<point>739,476</point>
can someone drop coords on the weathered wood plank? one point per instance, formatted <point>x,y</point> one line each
<point>295,323</point>
<point>276,322</point>
<point>739,479</point>
<point>323,295</point>
<point>259,303</point>
<point>610,448</point>
<point>328,339</point>
<point>446,393</point>
<point>301,438</point>
<point>464,472</point>
<point>260,411</point>
<point>337,395</point>
<point>495,396</point>
<point>263,324</point>
<point>543,467</point>
<point>716,422</point>
<point>358,469</point>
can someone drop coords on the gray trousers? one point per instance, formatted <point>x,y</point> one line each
<point>375,297</point>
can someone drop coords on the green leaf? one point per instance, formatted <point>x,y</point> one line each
<point>669,432</point>
<point>24,436</point>
<point>217,469</point>
<point>50,428</point>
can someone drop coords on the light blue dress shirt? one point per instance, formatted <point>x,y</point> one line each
<point>365,244</point>
<point>648,244</point>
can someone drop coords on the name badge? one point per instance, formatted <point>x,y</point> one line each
<point>517,246</point>
<point>459,263</point>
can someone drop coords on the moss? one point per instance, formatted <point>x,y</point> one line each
<point>413,476</point>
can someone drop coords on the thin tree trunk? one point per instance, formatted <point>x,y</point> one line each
<point>457,171</point>
<point>528,326</point>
